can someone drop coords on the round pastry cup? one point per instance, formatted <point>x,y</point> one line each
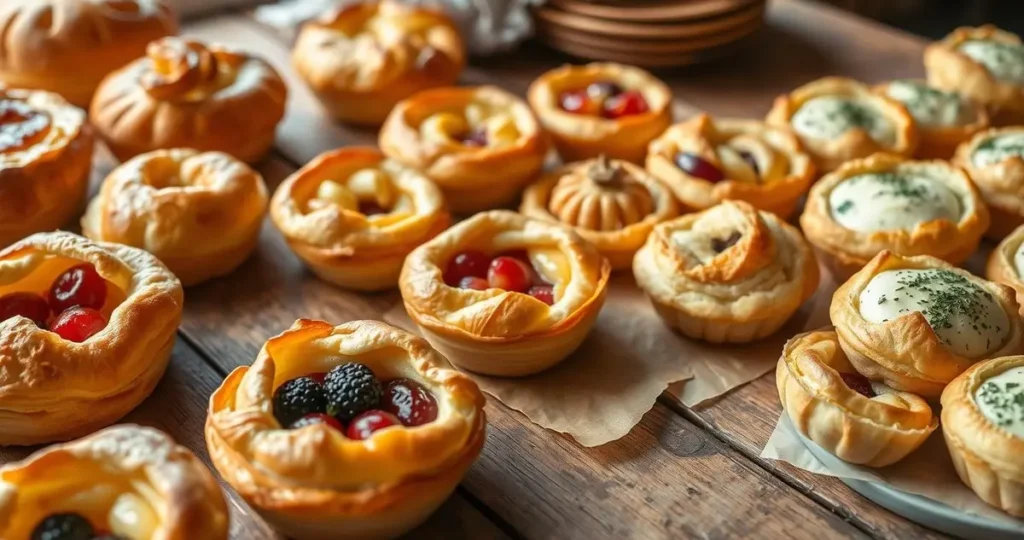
<point>1001,267</point>
<point>845,251</point>
<point>986,457</point>
<point>1000,183</point>
<point>580,137</point>
<point>940,142</point>
<point>853,427</point>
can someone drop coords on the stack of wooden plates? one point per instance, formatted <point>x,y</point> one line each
<point>650,33</point>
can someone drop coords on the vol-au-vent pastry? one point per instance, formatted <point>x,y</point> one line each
<point>45,158</point>
<point>504,294</point>
<point>353,215</point>
<point>706,161</point>
<point>995,161</point>
<point>69,46</point>
<point>612,204</point>
<point>915,323</point>
<point>198,212</point>
<point>365,57</point>
<point>983,423</point>
<point>184,94</point>
<point>126,482</point>
<point>944,118</point>
<point>481,145</point>
<point>884,202</point>
<point>601,108</point>
<point>838,119</point>
<point>858,421</point>
<point>1006,263</point>
<point>352,431</point>
<point>729,274</point>
<point>86,330</point>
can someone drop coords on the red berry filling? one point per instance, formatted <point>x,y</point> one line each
<point>578,102</point>
<point>313,419</point>
<point>466,264</point>
<point>628,103</point>
<point>510,274</point>
<point>544,293</point>
<point>369,422</point>
<point>475,283</point>
<point>79,285</point>
<point>694,165</point>
<point>604,98</point>
<point>26,304</point>
<point>510,270</point>
<point>412,404</point>
<point>858,383</point>
<point>78,324</point>
<point>370,208</point>
<point>476,138</point>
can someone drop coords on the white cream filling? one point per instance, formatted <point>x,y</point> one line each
<point>1001,400</point>
<point>890,201</point>
<point>1005,61</point>
<point>929,106</point>
<point>997,148</point>
<point>1018,260</point>
<point>828,117</point>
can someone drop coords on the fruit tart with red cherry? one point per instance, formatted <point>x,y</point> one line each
<point>86,331</point>
<point>354,431</point>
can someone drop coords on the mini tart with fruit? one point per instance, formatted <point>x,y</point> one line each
<point>706,161</point>
<point>944,118</point>
<point>365,57</point>
<point>45,156</point>
<point>1006,263</point>
<point>199,213</point>
<point>354,431</point>
<point>601,108</point>
<point>915,323</point>
<point>86,330</point>
<point>353,215</point>
<point>481,145</point>
<point>983,423</point>
<point>612,204</point>
<point>184,94</point>
<point>884,202</point>
<point>729,274</point>
<point>842,411</point>
<point>995,161</point>
<point>504,294</point>
<point>838,119</point>
<point>123,483</point>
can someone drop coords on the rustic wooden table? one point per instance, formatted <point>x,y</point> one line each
<point>681,472</point>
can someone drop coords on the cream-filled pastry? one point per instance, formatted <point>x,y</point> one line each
<point>1006,263</point>
<point>995,161</point>
<point>944,119</point>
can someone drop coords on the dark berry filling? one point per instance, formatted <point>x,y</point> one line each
<point>858,383</point>
<point>297,398</point>
<point>694,165</point>
<point>351,389</point>
<point>469,263</point>
<point>26,304</point>
<point>510,271</point>
<point>412,404</point>
<point>64,526</point>
<point>79,285</point>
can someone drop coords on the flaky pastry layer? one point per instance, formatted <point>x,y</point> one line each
<point>1002,266</point>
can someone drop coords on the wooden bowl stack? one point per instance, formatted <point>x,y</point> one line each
<point>648,33</point>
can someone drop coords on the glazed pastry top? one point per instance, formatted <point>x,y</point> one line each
<point>930,106</point>
<point>998,148</point>
<point>1003,60</point>
<point>828,117</point>
<point>1001,400</point>
<point>878,201</point>
<point>34,124</point>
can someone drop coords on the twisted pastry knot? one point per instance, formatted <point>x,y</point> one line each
<point>21,125</point>
<point>600,196</point>
<point>179,69</point>
<point>727,243</point>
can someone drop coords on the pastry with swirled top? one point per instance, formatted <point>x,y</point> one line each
<point>729,274</point>
<point>184,94</point>
<point>352,431</point>
<point>838,119</point>
<point>365,57</point>
<point>125,482</point>
<point>353,215</point>
<point>995,161</point>
<point>944,119</point>
<point>887,203</point>
<point>1006,263</point>
<point>612,204</point>
<point>706,161</point>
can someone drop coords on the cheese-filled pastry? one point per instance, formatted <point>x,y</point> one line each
<point>995,161</point>
<point>1006,263</point>
<point>944,118</point>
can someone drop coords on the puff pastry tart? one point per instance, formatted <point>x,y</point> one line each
<point>126,482</point>
<point>86,330</point>
<point>840,119</point>
<point>729,274</point>
<point>983,423</point>
<point>504,294</point>
<point>184,94</point>
<point>601,108</point>
<point>995,161</point>
<point>613,204</point>
<point>364,58</point>
<point>841,410</point>
<point>198,212</point>
<point>86,40</point>
<point>985,64</point>
<point>355,431</point>
<point>353,215</point>
<point>1006,263</point>
<point>887,203</point>
<point>944,119</point>
<point>45,156</point>
<point>706,161</point>
<point>915,323</point>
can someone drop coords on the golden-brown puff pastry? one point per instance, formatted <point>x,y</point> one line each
<point>611,203</point>
<point>944,119</point>
<point>887,203</point>
<point>500,332</point>
<point>68,46</point>
<point>313,482</point>
<point>841,411</point>
<point>589,131</point>
<point>729,274</point>
<point>127,480</point>
<point>985,64</point>
<point>983,423</point>
<point>363,58</point>
<point>749,161</point>
<point>199,213</point>
<point>184,94</point>
<point>53,389</point>
<point>1006,263</point>
<point>995,161</point>
<point>45,157</point>
<point>915,323</point>
<point>481,145</point>
<point>839,119</point>
<point>353,215</point>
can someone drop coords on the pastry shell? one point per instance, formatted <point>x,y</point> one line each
<point>940,141</point>
<point>1001,184</point>
<point>1002,266</point>
<point>313,482</point>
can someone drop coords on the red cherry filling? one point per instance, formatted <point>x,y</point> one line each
<point>694,165</point>
<point>510,274</point>
<point>544,293</point>
<point>313,419</point>
<point>369,422</point>
<point>412,404</point>
<point>370,208</point>
<point>602,90</point>
<point>858,383</point>
<point>28,305</point>
<point>78,324</point>
<point>79,285</point>
<point>466,264</point>
<point>578,102</point>
<point>628,103</point>
<point>475,283</point>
